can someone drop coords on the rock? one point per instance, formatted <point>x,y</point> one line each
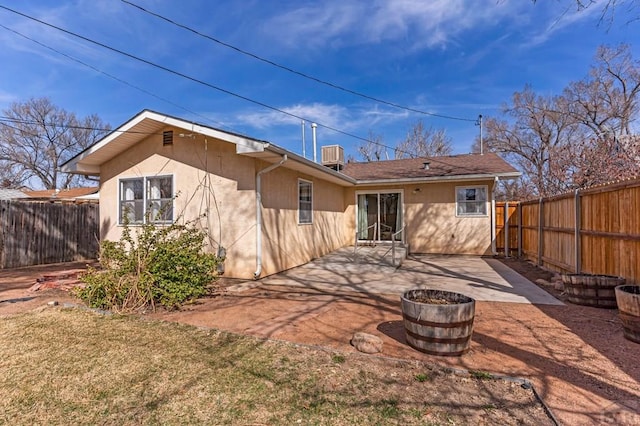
<point>543,282</point>
<point>559,286</point>
<point>53,303</point>
<point>366,343</point>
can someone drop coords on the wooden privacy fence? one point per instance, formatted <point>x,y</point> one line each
<point>592,231</point>
<point>35,233</point>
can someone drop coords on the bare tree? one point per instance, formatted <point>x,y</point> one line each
<point>604,160</point>
<point>608,99</point>
<point>534,140</point>
<point>581,138</point>
<point>420,142</point>
<point>629,9</point>
<point>374,149</point>
<point>424,142</point>
<point>36,137</point>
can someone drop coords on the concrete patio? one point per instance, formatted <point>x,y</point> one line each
<point>370,270</point>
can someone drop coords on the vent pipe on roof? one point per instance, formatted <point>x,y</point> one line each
<point>426,165</point>
<point>304,154</point>
<point>313,136</point>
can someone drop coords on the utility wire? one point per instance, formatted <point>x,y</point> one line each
<point>196,80</point>
<point>291,70</point>
<point>110,76</point>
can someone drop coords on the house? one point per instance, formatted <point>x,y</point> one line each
<point>268,209</point>
<point>70,195</point>
<point>12,194</point>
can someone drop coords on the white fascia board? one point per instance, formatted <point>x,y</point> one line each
<point>312,164</point>
<point>434,179</point>
<point>72,165</point>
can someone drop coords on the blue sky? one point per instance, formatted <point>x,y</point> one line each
<point>456,58</point>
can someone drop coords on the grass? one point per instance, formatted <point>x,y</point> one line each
<point>482,375</point>
<point>67,366</point>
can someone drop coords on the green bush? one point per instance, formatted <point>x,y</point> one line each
<point>162,265</point>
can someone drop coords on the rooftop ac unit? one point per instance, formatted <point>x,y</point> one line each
<point>333,156</point>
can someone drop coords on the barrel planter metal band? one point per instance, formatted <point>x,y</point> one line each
<point>592,290</point>
<point>438,328</point>
<point>629,305</point>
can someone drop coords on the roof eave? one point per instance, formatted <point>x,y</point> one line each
<point>77,166</point>
<point>433,179</point>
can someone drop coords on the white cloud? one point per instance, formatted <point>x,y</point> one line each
<point>433,23</point>
<point>334,116</point>
<point>559,18</point>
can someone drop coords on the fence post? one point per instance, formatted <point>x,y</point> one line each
<point>540,236</point>
<point>519,211</point>
<point>578,225</point>
<point>506,229</point>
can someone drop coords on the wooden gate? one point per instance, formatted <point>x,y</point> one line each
<point>507,229</point>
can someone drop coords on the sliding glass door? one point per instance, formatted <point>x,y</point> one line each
<point>379,215</point>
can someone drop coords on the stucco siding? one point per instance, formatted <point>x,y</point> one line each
<point>434,227</point>
<point>286,243</point>
<point>431,224</point>
<point>215,186</point>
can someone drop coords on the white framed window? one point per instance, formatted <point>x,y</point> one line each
<point>305,202</point>
<point>471,200</point>
<point>146,199</point>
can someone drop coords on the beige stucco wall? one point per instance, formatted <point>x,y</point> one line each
<point>430,219</point>
<point>227,196</point>
<point>286,243</point>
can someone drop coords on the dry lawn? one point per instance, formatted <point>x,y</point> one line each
<point>70,366</point>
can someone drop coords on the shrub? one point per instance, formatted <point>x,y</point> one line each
<point>162,265</point>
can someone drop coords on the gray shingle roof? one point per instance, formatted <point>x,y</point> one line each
<point>445,166</point>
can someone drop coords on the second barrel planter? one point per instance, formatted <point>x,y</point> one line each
<point>592,290</point>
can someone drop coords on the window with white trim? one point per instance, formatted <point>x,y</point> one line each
<point>471,200</point>
<point>146,199</point>
<point>305,202</point>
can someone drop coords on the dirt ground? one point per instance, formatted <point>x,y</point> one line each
<point>576,356</point>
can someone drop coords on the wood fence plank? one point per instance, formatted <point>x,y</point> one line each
<point>34,233</point>
<point>608,231</point>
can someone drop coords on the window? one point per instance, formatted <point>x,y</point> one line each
<point>305,202</point>
<point>146,198</point>
<point>471,200</point>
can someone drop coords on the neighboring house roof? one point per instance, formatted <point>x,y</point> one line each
<point>461,167</point>
<point>11,194</point>
<point>66,194</point>
<point>431,168</point>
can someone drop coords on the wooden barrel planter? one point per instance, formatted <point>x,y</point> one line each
<point>629,310</point>
<point>592,290</point>
<point>438,322</point>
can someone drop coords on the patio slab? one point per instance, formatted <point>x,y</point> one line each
<point>482,278</point>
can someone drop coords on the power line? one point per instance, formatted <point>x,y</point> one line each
<point>195,80</point>
<point>110,76</point>
<point>291,70</point>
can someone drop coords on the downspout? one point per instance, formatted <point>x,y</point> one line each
<point>493,217</point>
<point>258,271</point>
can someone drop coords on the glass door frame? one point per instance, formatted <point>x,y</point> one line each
<point>377,192</point>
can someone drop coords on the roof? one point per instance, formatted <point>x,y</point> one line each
<point>63,193</point>
<point>148,122</point>
<point>460,167</point>
<point>439,168</point>
<point>11,194</point>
